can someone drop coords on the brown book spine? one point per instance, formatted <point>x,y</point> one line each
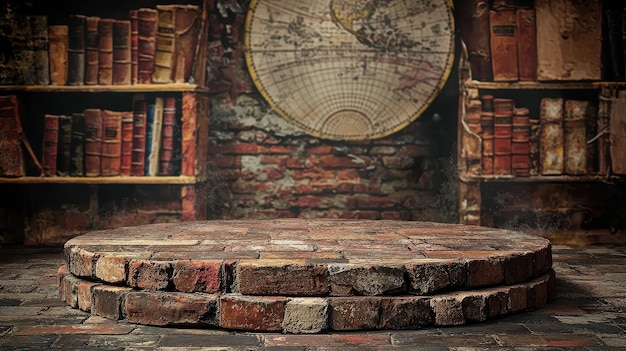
<point>12,159</point>
<point>138,159</point>
<point>617,129</point>
<point>122,53</point>
<point>39,29</point>
<point>535,153</point>
<point>527,44</point>
<point>472,140</point>
<point>501,105</point>
<point>164,58</point>
<point>127,143</point>
<point>503,23</point>
<point>64,145</point>
<point>167,137</point>
<point>148,21</point>
<point>111,143</point>
<point>487,134</point>
<point>520,143</point>
<point>134,46</point>
<point>502,129</point>
<point>603,139</point>
<point>473,22</point>
<point>187,28</point>
<point>50,145</point>
<point>57,52</point>
<point>575,142</point>
<point>91,50</point>
<point>105,51</point>
<point>76,50</point>
<point>551,143</point>
<point>77,145</point>
<point>93,141</point>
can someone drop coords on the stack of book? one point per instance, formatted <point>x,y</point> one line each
<point>151,46</point>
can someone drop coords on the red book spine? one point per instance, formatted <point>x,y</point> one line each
<point>111,143</point>
<point>138,156</point>
<point>91,50</point>
<point>122,53</point>
<point>93,142</point>
<point>167,137</point>
<point>147,28</point>
<point>12,159</point>
<point>527,44</point>
<point>105,51</point>
<point>127,143</point>
<point>49,145</point>
<point>134,45</point>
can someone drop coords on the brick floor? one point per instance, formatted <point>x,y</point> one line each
<point>587,314</point>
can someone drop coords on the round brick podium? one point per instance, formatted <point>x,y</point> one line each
<point>306,276</point>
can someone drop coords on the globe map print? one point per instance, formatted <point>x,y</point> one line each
<point>349,69</point>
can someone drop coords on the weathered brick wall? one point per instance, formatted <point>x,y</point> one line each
<point>266,167</point>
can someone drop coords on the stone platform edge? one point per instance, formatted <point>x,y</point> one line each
<point>302,314</point>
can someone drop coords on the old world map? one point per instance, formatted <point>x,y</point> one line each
<point>349,69</point>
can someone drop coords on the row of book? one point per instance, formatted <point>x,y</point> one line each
<point>514,143</point>
<point>151,46</point>
<point>535,40</point>
<point>98,142</point>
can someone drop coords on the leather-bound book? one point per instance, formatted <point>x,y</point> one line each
<point>502,105</point>
<point>575,142</point>
<point>551,153</point>
<point>569,40</point>
<point>111,143</point>
<point>77,145</point>
<point>93,141</point>
<point>503,23</point>
<point>12,159</point>
<point>39,30</point>
<point>149,126</point>
<point>91,50</point>
<point>155,145</point>
<point>15,51</point>
<point>520,143</point>
<point>138,157</point>
<point>76,50</point>
<point>527,44</point>
<point>105,51</point>
<point>472,136</point>
<point>57,52</point>
<point>122,53</point>
<point>127,143</point>
<point>64,145</point>
<point>50,145</point>
<point>148,20</point>
<point>473,21</point>
<point>176,40</point>
<point>502,129</point>
<point>487,134</point>
<point>534,147</point>
<point>134,46</point>
<point>618,133</point>
<point>168,133</point>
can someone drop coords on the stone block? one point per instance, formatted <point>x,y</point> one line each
<point>111,269</point>
<point>448,310</point>
<point>537,293</point>
<point>150,275</point>
<point>278,277</point>
<point>198,275</point>
<point>85,294</point>
<point>518,268</point>
<point>484,272</point>
<point>81,262</point>
<point>68,290</point>
<point>306,315</point>
<point>430,277</point>
<point>347,279</point>
<point>542,260</point>
<point>171,308</point>
<point>107,301</point>
<point>252,313</point>
<point>354,313</point>
<point>474,307</point>
<point>518,298</point>
<point>405,313</point>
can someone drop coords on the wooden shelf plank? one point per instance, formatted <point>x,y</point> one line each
<point>182,180</point>
<point>535,85</point>
<point>138,88</point>
<point>537,179</point>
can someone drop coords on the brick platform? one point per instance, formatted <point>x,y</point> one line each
<point>306,276</point>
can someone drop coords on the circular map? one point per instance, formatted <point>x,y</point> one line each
<point>349,69</point>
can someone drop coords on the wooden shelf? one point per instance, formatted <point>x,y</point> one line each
<point>180,180</point>
<point>537,179</point>
<point>138,88</point>
<point>534,85</point>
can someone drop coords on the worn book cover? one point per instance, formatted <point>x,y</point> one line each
<point>569,40</point>
<point>473,21</point>
<point>77,161</point>
<point>134,46</point>
<point>93,141</point>
<point>168,133</point>
<point>127,143</point>
<point>91,50</point>
<point>527,44</point>
<point>64,145</point>
<point>155,146</point>
<point>504,61</point>
<point>39,31</point>
<point>148,20</point>
<point>11,156</point>
<point>618,133</point>
<point>575,142</point>
<point>503,129</point>
<point>58,44</point>
<point>534,147</point>
<point>552,138</point>
<point>50,145</point>
<point>105,51</point>
<point>122,53</point>
<point>138,158</point>
<point>472,139</point>
<point>111,160</point>
<point>520,142</point>
<point>487,133</point>
<point>76,50</point>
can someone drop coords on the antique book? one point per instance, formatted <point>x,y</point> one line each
<point>39,41</point>
<point>15,51</point>
<point>57,51</point>
<point>176,40</point>
<point>147,19</point>
<point>575,141</point>
<point>138,159</point>
<point>603,138</point>
<point>534,147</point>
<point>49,145</point>
<point>77,162</point>
<point>105,51</point>
<point>122,53</point>
<point>76,50</point>
<point>502,105</point>
<point>91,50</point>
<point>472,140</point>
<point>551,142</point>
<point>504,62</point>
<point>111,159</point>
<point>502,130</point>
<point>569,40</point>
<point>64,145</point>
<point>617,129</point>
<point>168,134</point>
<point>473,21</point>
<point>127,143</point>
<point>487,134</point>
<point>134,46</point>
<point>12,160</point>
<point>93,141</point>
<point>520,142</point>
<point>149,125</point>
<point>155,146</point>
<point>526,44</point>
